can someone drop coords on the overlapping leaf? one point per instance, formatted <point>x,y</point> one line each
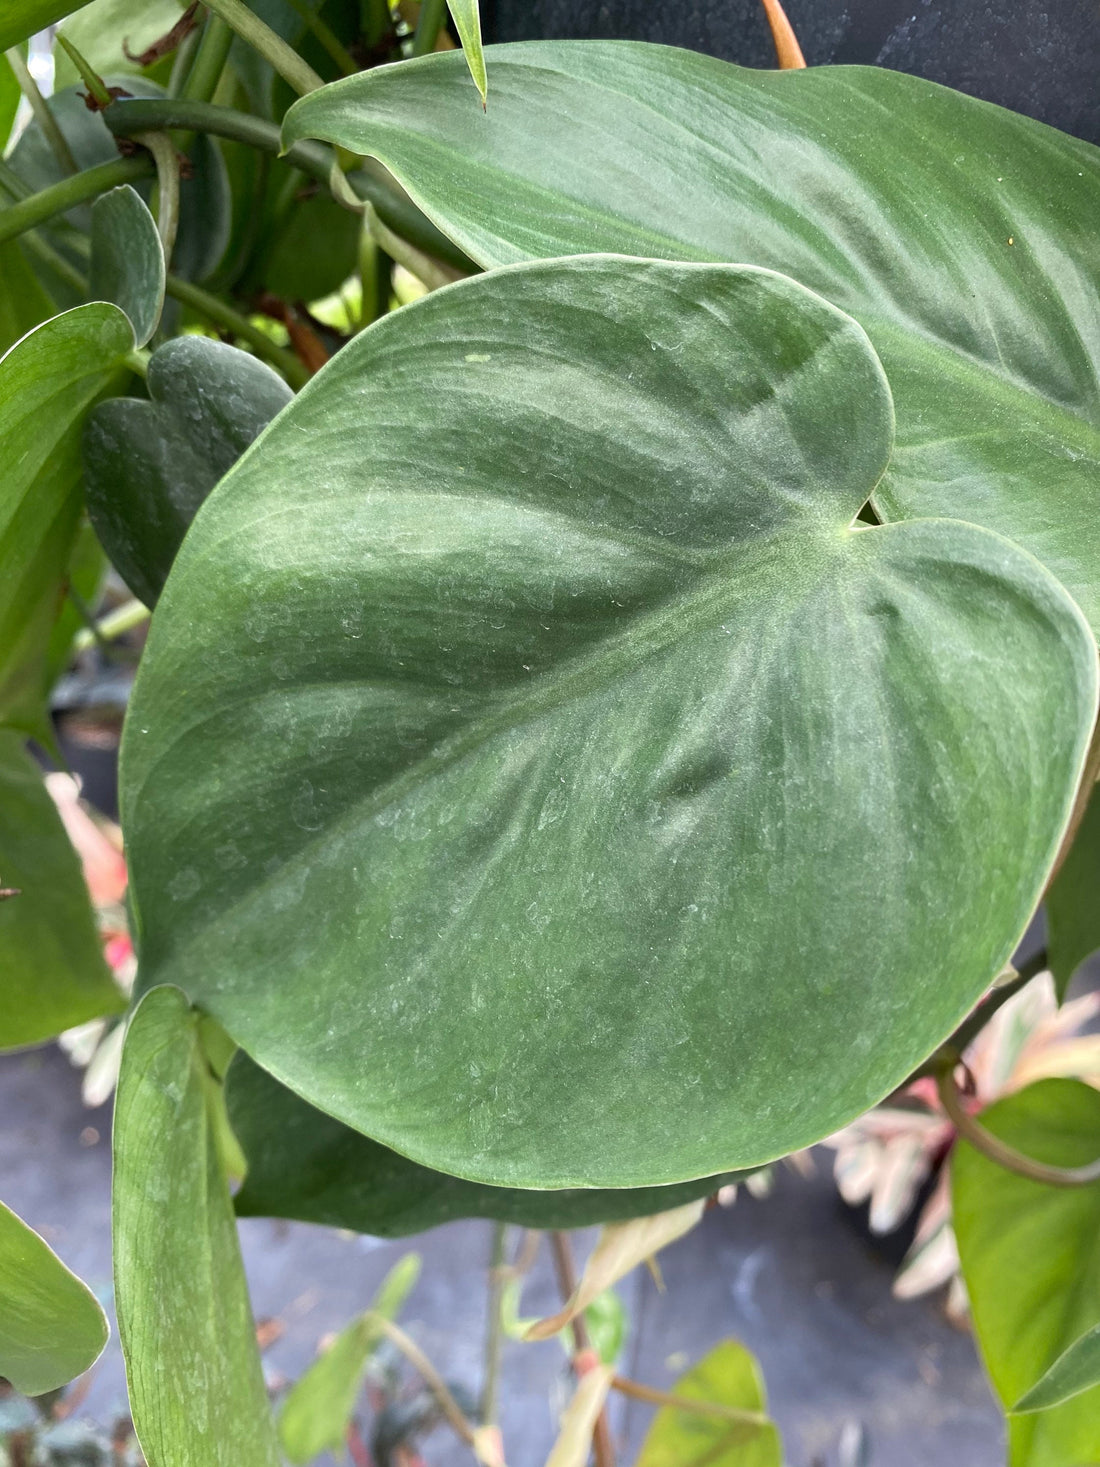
<point>961,236</point>
<point>728,1379</point>
<point>127,259</point>
<point>1073,902</point>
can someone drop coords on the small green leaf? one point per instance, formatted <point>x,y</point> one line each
<point>1073,1372</point>
<point>21,19</point>
<point>196,1386</point>
<point>318,1408</point>
<point>127,259</point>
<point>466,15</point>
<point>54,973</point>
<point>150,463</point>
<point>605,1318</point>
<point>1073,902</point>
<point>1031,1261</point>
<point>51,1327</point>
<point>730,1377</point>
<point>105,30</point>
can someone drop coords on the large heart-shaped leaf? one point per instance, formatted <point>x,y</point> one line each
<point>1031,1260</point>
<point>302,1164</point>
<point>150,463</point>
<point>51,1327</point>
<point>571,793</point>
<point>196,1384</point>
<point>961,236</point>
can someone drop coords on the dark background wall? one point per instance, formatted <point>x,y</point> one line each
<point>1041,57</point>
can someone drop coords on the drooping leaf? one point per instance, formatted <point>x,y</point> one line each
<point>21,19</point>
<point>466,15</point>
<point>127,259</point>
<point>196,1386</point>
<point>48,381</point>
<point>150,463</point>
<point>320,1405</point>
<point>51,1326</point>
<point>1073,902</point>
<point>53,968</point>
<point>1077,1370</point>
<point>533,765</point>
<point>1031,1260</point>
<point>960,235</point>
<point>728,1376</point>
<point>104,31</point>
<point>304,1165</point>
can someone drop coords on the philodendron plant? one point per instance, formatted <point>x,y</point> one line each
<point>604,729</point>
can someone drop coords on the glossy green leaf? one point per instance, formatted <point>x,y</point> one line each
<point>150,463</point>
<point>127,259</point>
<point>196,1386</point>
<point>51,1327</point>
<point>728,1376</point>
<point>961,236</point>
<point>104,31</point>
<point>303,1164</point>
<point>54,973</point>
<point>533,765</point>
<point>1073,902</point>
<point>1073,1372</point>
<point>20,19</point>
<point>319,1406</point>
<point>467,18</point>
<point>1031,1260</point>
<point>48,381</point>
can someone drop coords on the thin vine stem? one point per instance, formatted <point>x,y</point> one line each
<point>49,124</point>
<point>271,46</point>
<point>59,198</point>
<point>168,188</point>
<point>562,1250</point>
<point>431,1378</point>
<point>326,37</point>
<point>115,624</point>
<point>653,1397</point>
<point>494,1336</point>
<point>231,320</point>
<point>201,81</point>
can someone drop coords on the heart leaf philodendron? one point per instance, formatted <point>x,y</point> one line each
<point>573,793</point>
<point>961,236</point>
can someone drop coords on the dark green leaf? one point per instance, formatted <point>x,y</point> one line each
<point>206,207</point>
<point>149,464</point>
<point>1077,1370</point>
<point>1073,902</point>
<point>127,259</point>
<point>9,99</point>
<point>961,236</point>
<point>54,973</point>
<point>1031,1260</point>
<point>51,1328</point>
<point>21,19</point>
<point>303,1164</point>
<point>312,253</point>
<point>196,1385</point>
<point>728,1376</point>
<point>530,731</point>
<point>23,302</point>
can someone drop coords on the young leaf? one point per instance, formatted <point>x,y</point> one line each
<point>105,30</point>
<point>54,973</point>
<point>127,259</point>
<point>924,213</point>
<point>1073,902</point>
<point>730,1377</point>
<point>319,1406</point>
<point>466,15</point>
<point>1031,1260</point>
<point>587,698</point>
<point>150,463</point>
<point>196,1387</point>
<point>303,1164</point>
<point>51,1326</point>
<point>1077,1370</point>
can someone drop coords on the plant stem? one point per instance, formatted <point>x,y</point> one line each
<point>999,1151</point>
<point>123,619</point>
<point>431,273</point>
<point>168,188</point>
<point>976,1021</point>
<point>428,26</point>
<point>326,37</point>
<point>494,1337</point>
<point>271,46</point>
<point>562,1251</point>
<point>431,1377</point>
<point>787,50</point>
<point>42,114</point>
<point>38,208</point>
<point>638,1392</point>
<point>201,81</point>
<point>229,319</point>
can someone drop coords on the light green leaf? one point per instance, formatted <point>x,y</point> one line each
<point>1073,902</point>
<point>319,1407</point>
<point>961,236</point>
<point>51,1327</point>
<point>196,1386</point>
<point>48,381</point>
<point>533,766</point>
<point>21,19</point>
<point>302,1164</point>
<point>1077,1370</point>
<point>729,1377</point>
<point>605,1319</point>
<point>105,30</point>
<point>1031,1260</point>
<point>149,463</point>
<point>54,973</point>
<point>466,15</point>
<point>127,259</point>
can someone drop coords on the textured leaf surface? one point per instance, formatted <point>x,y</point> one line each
<point>52,963</point>
<point>1073,902</point>
<point>533,766</point>
<point>1073,1372</point>
<point>727,1376</point>
<point>1031,1260</point>
<point>150,463</point>
<point>51,1327</point>
<point>196,1387</point>
<point>960,235</point>
<point>48,381</point>
<point>127,259</point>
